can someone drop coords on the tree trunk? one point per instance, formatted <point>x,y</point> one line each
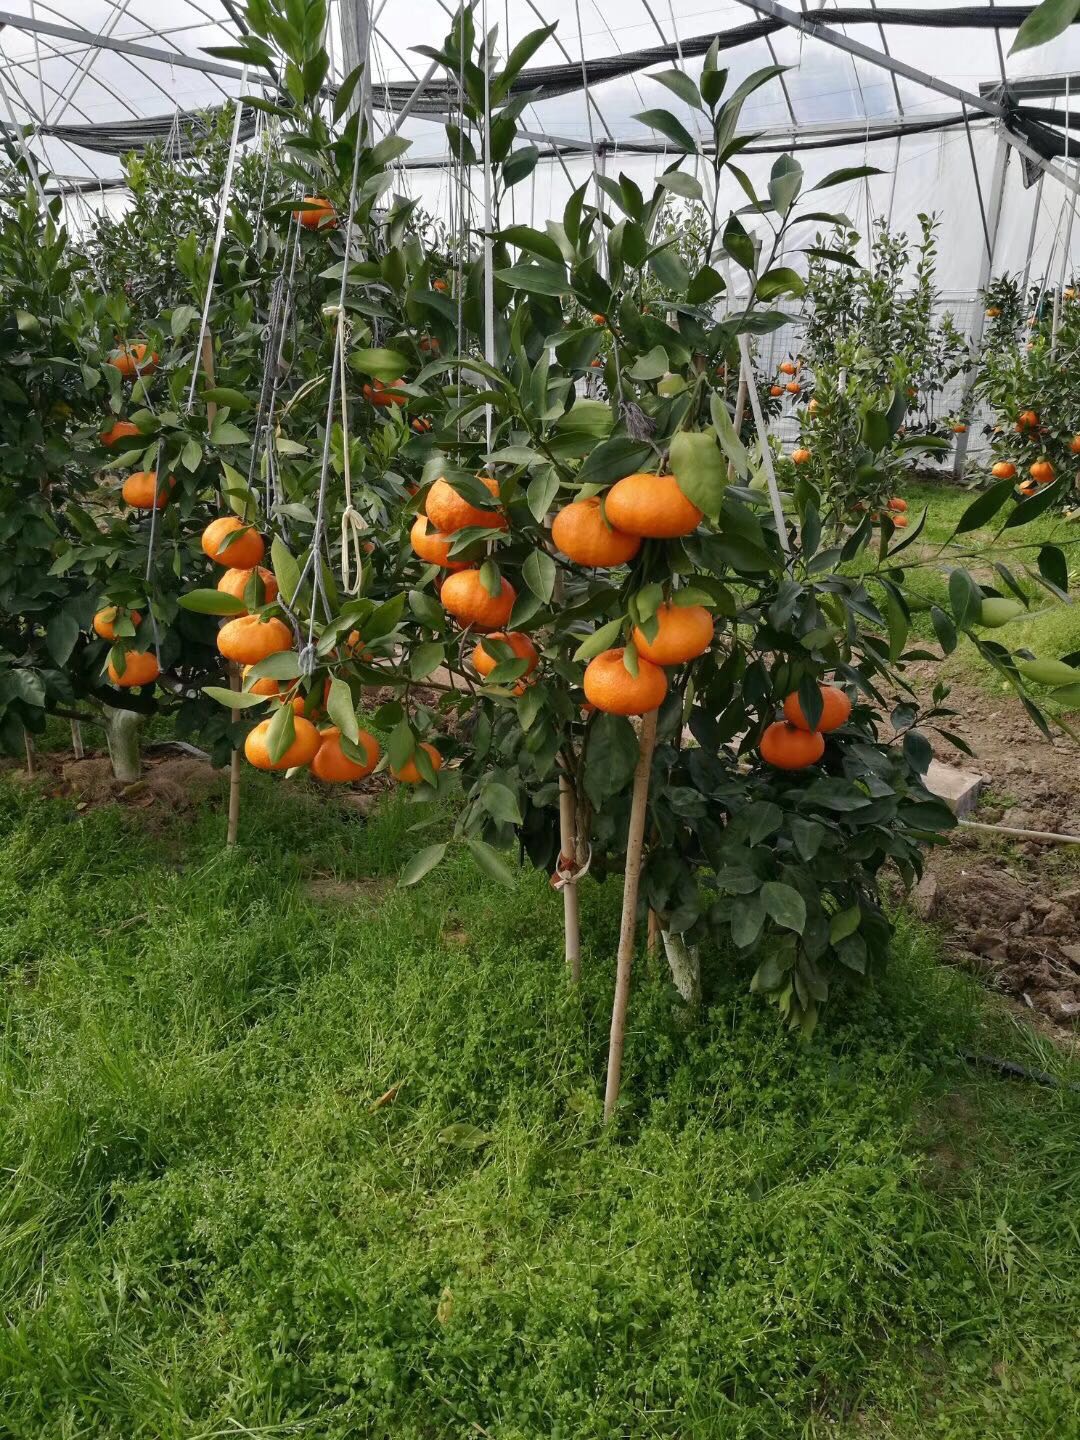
<point>628,929</point>
<point>685,965</point>
<point>30,767</point>
<point>78,749</point>
<point>122,733</point>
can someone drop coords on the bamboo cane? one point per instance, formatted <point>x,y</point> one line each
<point>628,929</point>
<point>234,766</point>
<point>568,845</point>
<point>30,770</point>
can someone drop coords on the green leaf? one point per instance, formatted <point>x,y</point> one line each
<point>666,123</point>
<point>843,924</point>
<point>491,862</point>
<point>426,658</point>
<point>535,241</point>
<point>539,279</point>
<point>342,711</point>
<point>780,280</point>
<point>224,432</point>
<point>680,84</point>
<point>599,640</point>
<point>211,602</point>
<point>612,460</point>
<point>1046,496</point>
<point>785,182</point>
<point>784,905</point>
<point>233,699</point>
<point>841,177</point>
<point>539,573</point>
<point>222,395</point>
<point>379,364</point>
<point>965,597</point>
<point>285,665</point>
<point>650,366</point>
<point>500,802</point>
<point>680,183</point>
<point>1045,23</point>
<point>699,468</point>
<point>281,734</point>
<point>985,507</point>
<point>611,756</point>
<point>421,863</point>
<point>286,570</point>
<point>61,636</point>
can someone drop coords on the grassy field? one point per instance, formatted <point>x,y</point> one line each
<point>209,1228</point>
<point>1052,628</point>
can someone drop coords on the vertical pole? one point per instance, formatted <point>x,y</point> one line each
<point>234,767</point>
<point>1066,253</point>
<point>29,755</point>
<point>568,845</point>
<point>986,270</point>
<point>78,749</point>
<point>1031,235</point>
<point>628,928</point>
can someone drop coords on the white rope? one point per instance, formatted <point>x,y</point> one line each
<point>489,249</point>
<point>226,195</point>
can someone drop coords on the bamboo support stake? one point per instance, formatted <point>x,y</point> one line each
<point>30,771</point>
<point>568,846</point>
<point>78,749</point>
<point>234,766</point>
<point>628,928</point>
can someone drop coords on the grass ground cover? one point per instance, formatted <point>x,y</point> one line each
<point>1052,628</point>
<point>210,1226</point>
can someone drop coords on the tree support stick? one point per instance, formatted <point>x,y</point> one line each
<point>234,766</point>
<point>568,846</point>
<point>628,929</point>
<point>29,755</point>
<point>77,746</point>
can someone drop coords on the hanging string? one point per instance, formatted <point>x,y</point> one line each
<point>226,196</point>
<point>318,538</point>
<point>489,253</point>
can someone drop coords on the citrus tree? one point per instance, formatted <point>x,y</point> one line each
<point>1027,378</point>
<point>646,665</point>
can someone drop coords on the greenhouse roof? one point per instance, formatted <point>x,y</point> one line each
<point>923,90</point>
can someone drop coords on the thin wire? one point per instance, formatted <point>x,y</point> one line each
<point>226,195</point>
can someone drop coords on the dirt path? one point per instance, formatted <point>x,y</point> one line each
<point>1010,909</point>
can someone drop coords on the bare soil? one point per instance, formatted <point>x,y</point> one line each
<point>1009,909</point>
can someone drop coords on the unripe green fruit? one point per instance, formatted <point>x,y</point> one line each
<point>1048,672</point>
<point>997,611</point>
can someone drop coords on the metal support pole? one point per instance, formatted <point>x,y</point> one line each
<point>1066,255</point>
<point>1031,235</point>
<point>986,270</point>
<point>808,25</point>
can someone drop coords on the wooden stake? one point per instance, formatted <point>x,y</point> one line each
<point>568,845</point>
<point>628,929</point>
<point>234,765</point>
<point>29,755</point>
<point>207,357</point>
<point>77,747</point>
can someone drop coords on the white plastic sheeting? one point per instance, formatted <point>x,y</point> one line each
<point>51,80</point>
